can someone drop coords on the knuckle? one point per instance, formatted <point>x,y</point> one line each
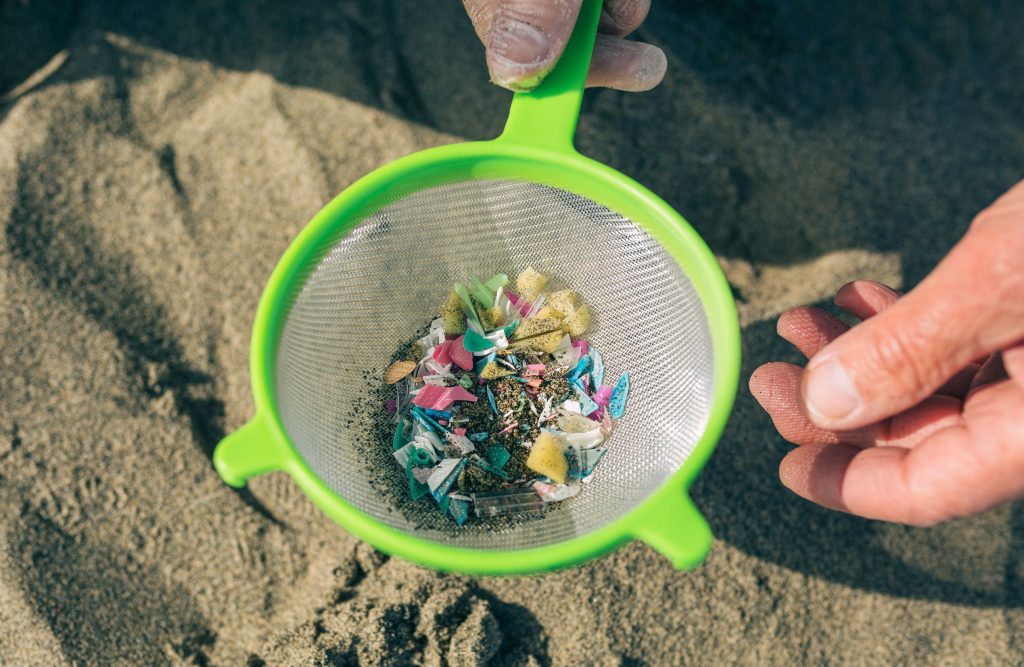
<point>902,356</point>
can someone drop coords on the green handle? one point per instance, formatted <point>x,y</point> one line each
<point>252,450</point>
<point>546,117</point>
<point>673,527</point>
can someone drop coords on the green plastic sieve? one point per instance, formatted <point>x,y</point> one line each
<point>369,268</point>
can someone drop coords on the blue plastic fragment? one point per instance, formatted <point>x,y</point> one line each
<point>490,399</point>
<point>581,367</point>
<point>480,362</point>
<point>617,403</point>
<point>440,494</point>
<point>459,509</point>
<point>438,414</point>
<point>587,405</point>
<point>423,418</point>
<point>597,371</point>
<point>479,437</point>
<point>588,459</point>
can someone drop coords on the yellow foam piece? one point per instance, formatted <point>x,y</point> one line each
<point>534,326</point>
<point>548,342</point>
<point>530,283</point>
<point>492,318</point>
<point>549,313</point>
<point>547,458</point>
<point>564,301</point>
<point>492,371</point>
<point>451,313</point>
<point>577,324</point>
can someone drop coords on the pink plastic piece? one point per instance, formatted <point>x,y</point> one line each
<point>508,428</point>
<point>462,357</point>
<point>442,352</point>
<point>535,382</point>
<point>582,345</point>
<point>433,397</point>
<point>442,422</point>
<point>521,305</point>
<point>535,369</point>
<point>391,406</point>
<point>459,431</point>
<point>603,395</point>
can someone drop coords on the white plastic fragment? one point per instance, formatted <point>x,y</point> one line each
<point>553,493</point>
<point>464,444</point>
<point>441,473</point>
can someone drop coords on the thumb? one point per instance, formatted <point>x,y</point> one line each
<point>526,38</point>
<point>969,306</point>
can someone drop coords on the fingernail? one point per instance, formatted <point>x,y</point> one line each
<point>516,48</point>
<point>829,392</point>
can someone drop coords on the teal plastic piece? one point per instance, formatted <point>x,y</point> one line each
<point>498,456</point>
<point>537,147</point>
<point>401,434</point>
<point>597,368</point>
<point>617,403</point>
<point>474,342</point>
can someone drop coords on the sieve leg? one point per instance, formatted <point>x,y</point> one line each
<point>676,529</point>
<point>252,450</point>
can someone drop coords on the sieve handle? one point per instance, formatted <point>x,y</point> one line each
<point>546,117</point>
<point>675,528</point>
<point>252,450</point>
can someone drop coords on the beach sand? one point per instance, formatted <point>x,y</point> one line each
<point>157,158</point>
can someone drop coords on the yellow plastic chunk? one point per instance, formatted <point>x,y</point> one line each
<point>578,323</point>
<point>530,283</point>
<point>547,458</point>
<point>451,313</point>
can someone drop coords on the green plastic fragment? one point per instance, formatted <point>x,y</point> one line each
<point>496,281</point>
<point>467,304</point>
<point>466,381</point>
<point>474,342</point>
<point>484,296</point>
<point>498,456</point>
<point>401,433</point>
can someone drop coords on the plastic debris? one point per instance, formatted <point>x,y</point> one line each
<point>508,501</point>
<point>553,493</point>
<point>617,403</point>
<point>547,413</point>
<point>547,458</point>
<point>440,398</point>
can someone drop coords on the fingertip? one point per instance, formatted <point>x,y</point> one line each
<point>627,66</point>
<point>865,298</point>
<point>815,472</point>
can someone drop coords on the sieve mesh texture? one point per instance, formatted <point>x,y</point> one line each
<point>369,290</point>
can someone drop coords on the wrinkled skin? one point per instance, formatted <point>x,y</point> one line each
<point>915,415</point>
<point>525,38</point>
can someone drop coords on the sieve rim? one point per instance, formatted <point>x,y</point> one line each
<point>666,519</point>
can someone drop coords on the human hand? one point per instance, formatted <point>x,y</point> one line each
<point>915,415</point>
<point>525,39</point>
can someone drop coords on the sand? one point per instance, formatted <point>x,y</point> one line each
<point>157,158</point>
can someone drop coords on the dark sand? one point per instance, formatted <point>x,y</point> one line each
<point>156,159</point>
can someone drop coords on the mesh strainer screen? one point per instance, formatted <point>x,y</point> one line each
<point>378,284</point>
